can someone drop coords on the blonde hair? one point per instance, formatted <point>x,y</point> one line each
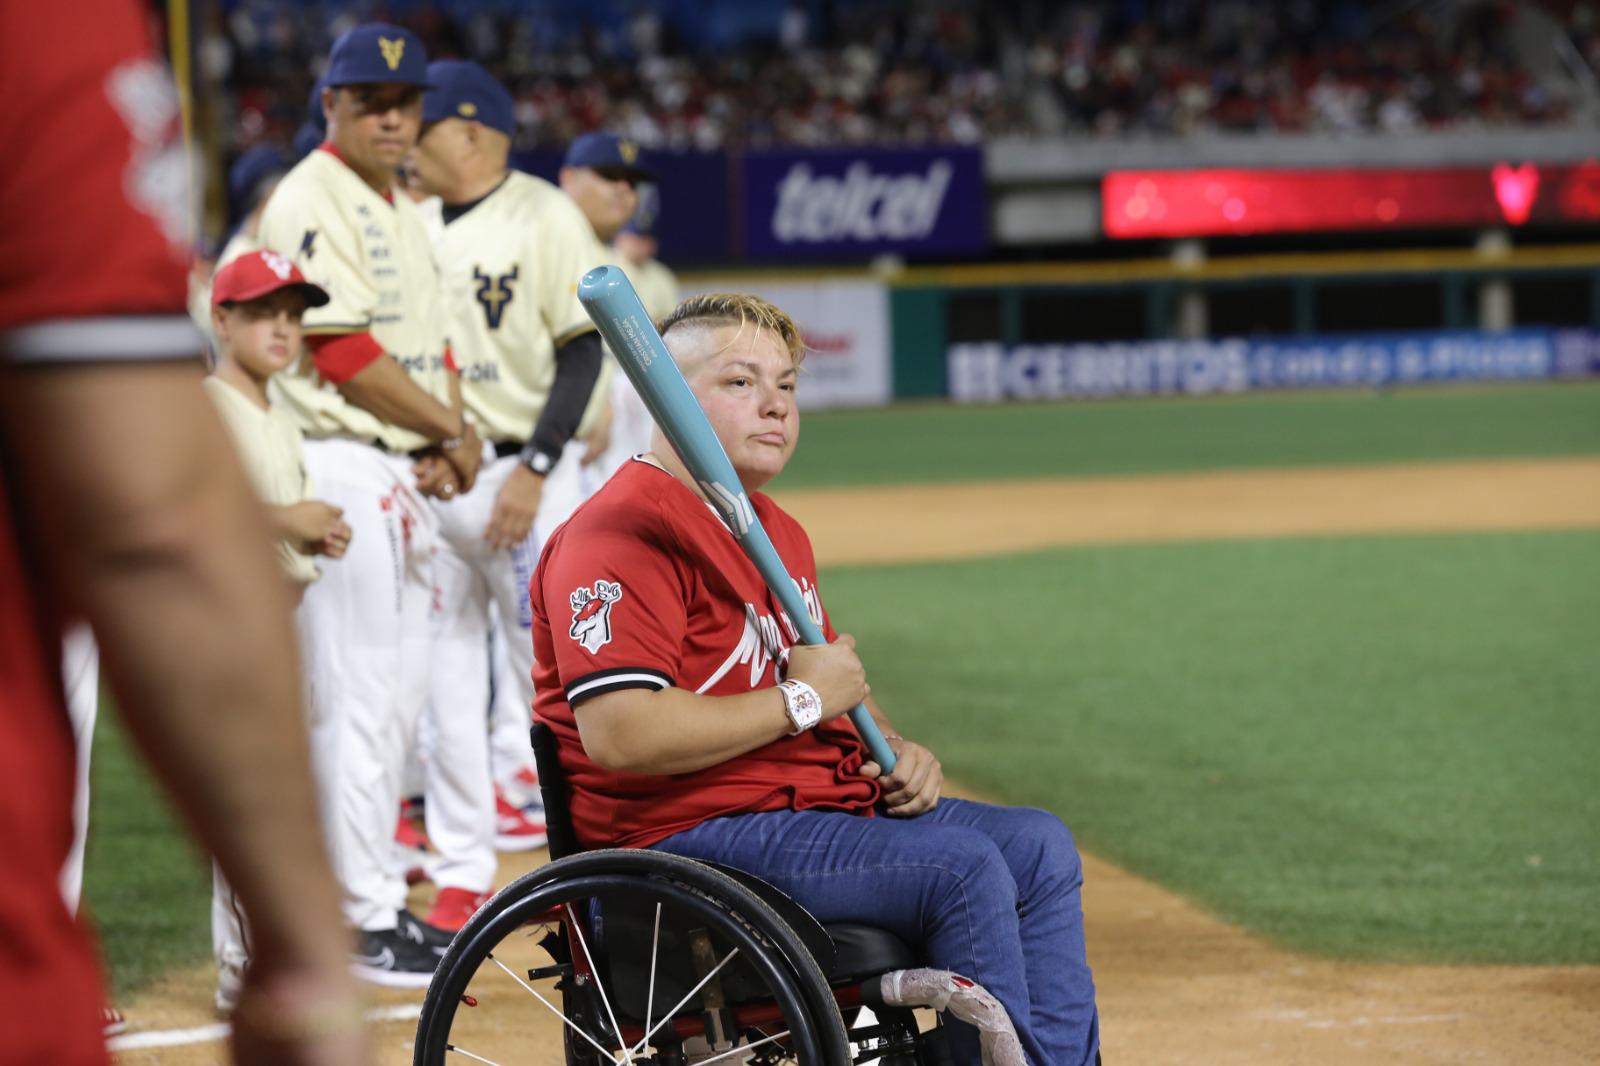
<point>712,309</point>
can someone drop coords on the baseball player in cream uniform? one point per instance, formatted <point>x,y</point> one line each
<point>600,174</point>
<point>511,249</point>
<point>378,402</point>
<point>635,245</point>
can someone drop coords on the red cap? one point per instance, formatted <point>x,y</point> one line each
<point>259,274</point>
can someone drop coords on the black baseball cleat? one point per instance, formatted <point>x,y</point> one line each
<point>429,936</point>
<point>393,958</point>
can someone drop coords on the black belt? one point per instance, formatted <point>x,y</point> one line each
<point>504,448</point>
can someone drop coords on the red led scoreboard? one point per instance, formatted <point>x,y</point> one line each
<point>1212,203</point>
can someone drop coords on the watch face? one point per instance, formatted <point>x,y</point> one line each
<point>804,706</point>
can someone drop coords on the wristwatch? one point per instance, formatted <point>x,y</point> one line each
<point>539,462</point>
<point>802,704</point>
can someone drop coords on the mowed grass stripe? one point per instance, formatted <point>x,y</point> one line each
<point>943,442</point>
<point>1378,748</point>
<point>147,889</point>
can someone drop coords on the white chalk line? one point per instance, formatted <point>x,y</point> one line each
<point>209,1034</point>
<point>1358,1022</point>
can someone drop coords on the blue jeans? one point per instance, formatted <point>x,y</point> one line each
<point>987,892</point>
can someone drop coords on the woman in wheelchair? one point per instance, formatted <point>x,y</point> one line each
<point>689,722</point>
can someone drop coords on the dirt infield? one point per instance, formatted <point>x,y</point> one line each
<point>1176,985</point>
<point>887,524</point>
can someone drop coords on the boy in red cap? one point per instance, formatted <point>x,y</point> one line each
<point>256,304</point>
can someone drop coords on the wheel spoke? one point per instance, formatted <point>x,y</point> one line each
<point>470,1055</point>
<point>577,927</point>
<point>552,1008</point>
<point>687,996</point>
<point>650,995</point>
<point>742,1047</point>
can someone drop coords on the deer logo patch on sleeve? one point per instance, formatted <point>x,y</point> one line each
<point>591,614</point>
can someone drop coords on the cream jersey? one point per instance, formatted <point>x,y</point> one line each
<point>656,285</point>
<point>511,265</point>
<point>268,442</point>
<point>241,243</point>
<point>374,258</point>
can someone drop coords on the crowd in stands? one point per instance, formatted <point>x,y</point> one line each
<point>943,71</point>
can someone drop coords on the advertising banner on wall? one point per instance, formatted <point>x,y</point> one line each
<point>847,204</point>
<point>991,372</point>
<point>845,322</point>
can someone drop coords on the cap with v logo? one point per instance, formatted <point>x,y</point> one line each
<point>376,53</point>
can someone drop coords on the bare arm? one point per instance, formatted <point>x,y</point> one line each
<point>385,389</point>
<point>674,731</point>
<point>313,526</point>
<point>150,529</point>
<point>466,456</point>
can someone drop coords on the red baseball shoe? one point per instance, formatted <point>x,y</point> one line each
<point>453,907</point>
<point>514,830</point>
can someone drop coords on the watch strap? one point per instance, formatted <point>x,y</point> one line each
<point>539,461</point>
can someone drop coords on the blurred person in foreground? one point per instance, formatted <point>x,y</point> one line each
<point>690,719</point>
<point>121,503</point>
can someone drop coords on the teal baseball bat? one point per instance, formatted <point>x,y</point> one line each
<point>608,296</point>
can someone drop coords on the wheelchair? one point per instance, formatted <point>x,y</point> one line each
<point>639,956</point>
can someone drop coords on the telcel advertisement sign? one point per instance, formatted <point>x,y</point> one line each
<point>843,204</point>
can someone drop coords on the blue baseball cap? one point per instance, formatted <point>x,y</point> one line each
<point>607,151</point>
<point>376,53</point>
<point>458,88</point>
<point>250,172</point>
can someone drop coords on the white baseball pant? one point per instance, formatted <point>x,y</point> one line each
<point>367,635</point>
<point>80,676</point>
<point>472,582</point>
<point>567,486</point>
<point>230,931</point>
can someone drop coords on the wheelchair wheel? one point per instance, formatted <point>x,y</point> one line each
<point>628,957</point>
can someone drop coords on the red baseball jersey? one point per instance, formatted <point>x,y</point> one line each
<point>644,587</point>
<point>93,251</point>
<point>95,218</point>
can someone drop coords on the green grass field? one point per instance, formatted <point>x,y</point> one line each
<point>1374,747</point>
<point>1377,747</point>
<point>143,882</point>
<point>948,443</point>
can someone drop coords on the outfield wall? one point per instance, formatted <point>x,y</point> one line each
<point>993,372</point>
<point>985,334</point>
